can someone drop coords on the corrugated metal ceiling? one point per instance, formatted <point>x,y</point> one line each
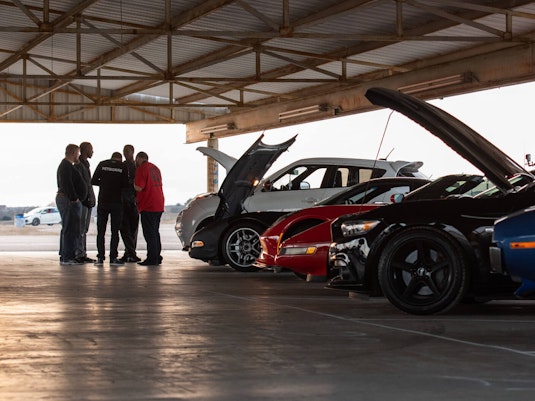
<point>187,61</point>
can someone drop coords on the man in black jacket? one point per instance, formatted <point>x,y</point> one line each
<point>130,223</point>
<point>86,152</point>
<point>71,191</point>
<point>111,176</point>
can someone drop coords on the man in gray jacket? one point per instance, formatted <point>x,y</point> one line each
<point>86,152</point>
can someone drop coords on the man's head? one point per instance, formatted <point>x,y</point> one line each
<point>72,153</point>
<point>141,158</point>
<point>117,156</point>
<point>128,152</point>
<point>86,150</point>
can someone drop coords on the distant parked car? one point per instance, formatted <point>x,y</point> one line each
<point>300,184</point>
<point>513,249</point>
<point>42,215</point>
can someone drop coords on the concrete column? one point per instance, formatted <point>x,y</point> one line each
<point>212,173</point>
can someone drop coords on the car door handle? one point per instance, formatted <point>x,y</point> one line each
<point>309,200</point>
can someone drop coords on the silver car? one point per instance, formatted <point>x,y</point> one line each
<point>299,185</point>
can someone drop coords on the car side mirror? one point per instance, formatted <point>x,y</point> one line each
<point>397,198</point>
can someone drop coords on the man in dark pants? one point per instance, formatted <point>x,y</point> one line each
<point>111,176</point>
<point>86,152</point>
<point>130,222</point>
<point>150,202</point>
<point>71,191</point>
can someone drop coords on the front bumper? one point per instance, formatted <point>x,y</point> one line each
<point>347,263</point>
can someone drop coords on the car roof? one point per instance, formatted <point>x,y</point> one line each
<point>396,166</point>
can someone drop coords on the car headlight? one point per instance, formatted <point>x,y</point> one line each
<point>358,227</point>
<point>308,250</point>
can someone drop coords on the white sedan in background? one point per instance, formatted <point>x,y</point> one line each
<point>42,215</point>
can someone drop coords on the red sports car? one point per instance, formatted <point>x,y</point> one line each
<point>300,241</point>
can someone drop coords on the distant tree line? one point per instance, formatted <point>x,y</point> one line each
<point>9,213</point>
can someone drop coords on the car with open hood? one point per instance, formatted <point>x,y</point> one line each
<point>229,235</point>
<point>300,241</point>
<point>426,256</point>
<point>302,183</point>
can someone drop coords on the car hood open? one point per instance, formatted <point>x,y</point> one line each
<point>495,164</point>
<point>245,173</point>
<point>222,158</point>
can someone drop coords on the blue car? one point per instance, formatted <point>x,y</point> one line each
<point>513,250</point>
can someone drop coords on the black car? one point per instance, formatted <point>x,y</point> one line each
<point>426,256</point>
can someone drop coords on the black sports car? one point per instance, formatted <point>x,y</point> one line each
<point>426,256</point>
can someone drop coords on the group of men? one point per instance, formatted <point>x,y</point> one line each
<point>127,190</point>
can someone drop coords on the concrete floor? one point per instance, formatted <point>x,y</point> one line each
<point>189,331</point>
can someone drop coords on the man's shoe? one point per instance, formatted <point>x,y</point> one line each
<point>89,260</point>
<point>130,259</point>
<point>116,262</point>
<point>99,262</point>
<point>147,263</point>
<point>72,262</point>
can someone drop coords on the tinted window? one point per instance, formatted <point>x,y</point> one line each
<point>300,177</point>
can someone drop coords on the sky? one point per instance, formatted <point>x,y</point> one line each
<point>31,153</point>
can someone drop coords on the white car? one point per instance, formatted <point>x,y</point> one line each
<point>299,185</point>
<point>42,215</point>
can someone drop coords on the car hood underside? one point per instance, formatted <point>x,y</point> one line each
<point>495,164</point>
<point>245,173</point>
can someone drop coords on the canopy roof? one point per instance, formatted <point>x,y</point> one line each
<point>226,67</point>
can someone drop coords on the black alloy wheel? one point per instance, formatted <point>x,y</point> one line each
<point>36,222</point>
<point>241,246</point>
<point>422,271</point>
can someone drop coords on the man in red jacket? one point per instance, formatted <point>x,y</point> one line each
<point>150,202</point>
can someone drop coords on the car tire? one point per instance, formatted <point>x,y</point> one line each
<point>423,271</point>
<point>241,246</point>
<point>36,222</point>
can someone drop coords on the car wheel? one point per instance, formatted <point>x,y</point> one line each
<point>36,222</point>
<point>241,246</point>
<point>422,271</point>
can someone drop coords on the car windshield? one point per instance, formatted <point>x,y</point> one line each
<point>371,192</point>
<point>519,180</point>
<point>450,185</point>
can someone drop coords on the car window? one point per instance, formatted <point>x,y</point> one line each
<point>315,177</point>
<point>374,194</point>
<point>301,177</point>
<point>517,180</point>
<point>447,186</point>
<point>351,175</point>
